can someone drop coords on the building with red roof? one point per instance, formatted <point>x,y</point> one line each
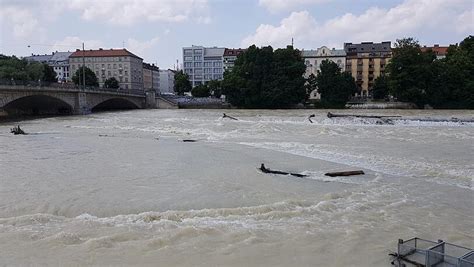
<point>121,64</point>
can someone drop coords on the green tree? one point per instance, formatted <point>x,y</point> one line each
<point>335,87</point>
<point>453,78</point>
<point>410,72</point>
<point>91,79</point>
<point>311,85</point>
<point>264,78</point>
<point>49,74</point>
<point>215,88</point>
<point>380,89</point>
<point>201,90</point>
<point>111,83</point>
<point>181,83</point>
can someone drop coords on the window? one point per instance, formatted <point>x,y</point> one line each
<point>108,66</point>
<point>115,66</point>
<point>126,79</point>
<point>126,72</point>
<point>109,73</point>
<point>188,58</point>
<point>198,51</point>
<point>197,64</point>
<point>197,57</point>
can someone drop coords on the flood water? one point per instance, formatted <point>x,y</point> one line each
<point>123,189</point>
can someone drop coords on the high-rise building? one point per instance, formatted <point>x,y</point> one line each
<point>366,61</point>
<point>203,64</point>
<point>121,64</point>
<point>151,77</point>
<point>59,61</point>
<point>314,58</point>
<point>230,56</point>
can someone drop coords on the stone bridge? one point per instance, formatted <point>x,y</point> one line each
<point>18,100</point>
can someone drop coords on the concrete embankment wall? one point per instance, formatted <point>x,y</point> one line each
<point>381,105</point>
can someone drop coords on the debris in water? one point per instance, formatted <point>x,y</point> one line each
<point>227,116</point>
<point>17,130</point>
<point>265,170</point>
<point>346,173</point>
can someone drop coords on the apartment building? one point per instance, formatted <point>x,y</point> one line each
<point>230,56</point>
<point>366,61</point>
<point>59,61</point>
<point>166,81</point>
<point>314,58</point>
<point>151,77</point>
<point>121,64</point>
<point>203,64</point>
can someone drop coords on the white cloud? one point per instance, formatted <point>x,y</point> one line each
<point>410,18</point>
<point>141,48</point>
<point>21,21</point>
<point>282,5</point>
<point>127,12</point>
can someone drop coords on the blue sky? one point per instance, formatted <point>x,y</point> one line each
<point>156,30</point>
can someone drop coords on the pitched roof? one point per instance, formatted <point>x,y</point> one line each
<point>104,53</point>
<point>323,52</point>
<point>438,50</point>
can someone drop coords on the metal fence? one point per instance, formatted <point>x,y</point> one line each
<point>429,253</point>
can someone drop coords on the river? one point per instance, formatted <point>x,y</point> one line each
<point>121,188</point>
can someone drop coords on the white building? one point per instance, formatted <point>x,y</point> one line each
<point>59,61</point>
<point>314,58</point>
<point>166,80</point>
<point>203,64</point>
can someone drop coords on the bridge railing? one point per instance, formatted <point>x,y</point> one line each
<point>68,86</point>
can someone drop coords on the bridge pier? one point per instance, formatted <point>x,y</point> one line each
<point>81,106</point>
<point>150,99</point>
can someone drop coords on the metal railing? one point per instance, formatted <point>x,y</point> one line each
<point>68,86</point>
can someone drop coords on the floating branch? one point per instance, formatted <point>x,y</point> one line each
<point>265,170</point>
<point>17,130</point>
<point>229,117</point>
<point>346,173</point>
<point>311,116</point>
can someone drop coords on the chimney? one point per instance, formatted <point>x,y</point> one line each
<point>77,50</point>
<point>436,45</point>
<point>101,49</point>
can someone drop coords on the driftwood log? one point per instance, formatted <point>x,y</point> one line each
<point>265,170</point>
<point>331,115</point>
<point>17,130</point>
<point>311,116</point>
<point>189,141</point>
<point>346,173</point>
<point>229,117</point>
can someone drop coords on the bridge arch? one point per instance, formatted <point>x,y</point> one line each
<point>37,104</point>
<point>115,103</point>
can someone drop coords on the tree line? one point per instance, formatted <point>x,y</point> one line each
<point>15,70</point>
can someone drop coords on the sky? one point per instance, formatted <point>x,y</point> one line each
<point>156,30</point>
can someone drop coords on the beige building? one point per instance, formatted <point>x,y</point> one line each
<point>367,61</point>
<point>121,64</point>
<point>151,77</point>
<point>314,58</point>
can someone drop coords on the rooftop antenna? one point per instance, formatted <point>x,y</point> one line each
<point>292,41</point>
<point>123,44</point>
